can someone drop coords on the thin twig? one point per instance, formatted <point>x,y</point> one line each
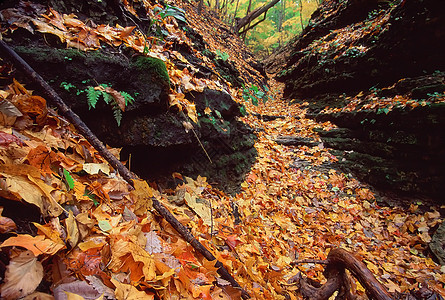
<point>309,261</point>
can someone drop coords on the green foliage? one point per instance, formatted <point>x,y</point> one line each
<point>206,52</point>
<point>283,22</point>
<point>254,94</point>
<point>128,98</point>
<point>219,124</point>
<point>151,65</point>
<point>94,94</point>
<point>68,179</point>
<point>221,55</point>
<point>171,11</point>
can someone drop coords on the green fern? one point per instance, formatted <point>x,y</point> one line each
<point>92,96</point>
<point>107,98</point>
<point>117,113</point>
<point>128,98</point>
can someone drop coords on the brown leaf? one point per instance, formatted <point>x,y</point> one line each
<point>23,274</point>
<point>8,113</point>
<point>76,290</point>
<point>6,224</point>
<point>120,100</point>
<point>20,186</point>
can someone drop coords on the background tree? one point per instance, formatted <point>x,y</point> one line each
<point>265,25</point>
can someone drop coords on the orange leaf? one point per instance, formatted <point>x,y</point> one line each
<point>37,244</point>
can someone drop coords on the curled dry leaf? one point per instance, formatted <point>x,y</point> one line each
<point>6,224</point>
<point>23,274</point>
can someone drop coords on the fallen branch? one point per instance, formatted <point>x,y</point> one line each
<point>338,261</point>
<point>74,119</point>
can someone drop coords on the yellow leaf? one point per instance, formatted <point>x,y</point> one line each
<point>71,296</point>
<point>92,168</point>
<point>23,274</point>
<point>142,195</point>
<point>26,190</point>
<point>93,242</point>
<point>50,232</point>
<point>119,251</point>
<point>129,292</point>
<point>207,111</point>
<point>200,207</point>
<point>54,208</point>
<point>72,230</point>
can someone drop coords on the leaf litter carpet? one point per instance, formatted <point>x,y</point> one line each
<point>100,239</point>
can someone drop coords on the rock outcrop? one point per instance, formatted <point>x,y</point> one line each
<point>156,138</point>
<point>354,45</point>
<point>378,52</point>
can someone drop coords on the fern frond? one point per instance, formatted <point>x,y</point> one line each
<point>92,97</point>
<point>117,113</point>
<point>128,97</point>
<point>107,97</point>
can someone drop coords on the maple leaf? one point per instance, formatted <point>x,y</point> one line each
<point>23,274</point>
<point>38,244</point>
<point>129,292</point>
<point>142,194</point>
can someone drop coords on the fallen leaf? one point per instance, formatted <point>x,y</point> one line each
<point>142,194</point>
<point>6,224</point>
<point>76,290</point>
<point>200,207</point>
<point>94,168</point>
<point>38,296</point>
<point>72,229</point>
<point>8,113</point>
<point>38,244</point>
<point>153,244</point>
<point>23,274</point>
<point>26,190</point>
<point>129,292</point>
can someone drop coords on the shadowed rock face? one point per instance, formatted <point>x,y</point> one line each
<point>409,43</point>
<point>152,134</point>
<point>401,151</point>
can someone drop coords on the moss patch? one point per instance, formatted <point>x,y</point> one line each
<point>153,66</point>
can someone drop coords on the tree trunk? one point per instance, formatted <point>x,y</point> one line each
<point>253,15</point>
<point>236,11</point>
<point>301,13</point>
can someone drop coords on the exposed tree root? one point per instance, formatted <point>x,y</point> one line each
<point>338,280</point>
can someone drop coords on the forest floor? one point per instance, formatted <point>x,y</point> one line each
<point>293,206</point>
<point>94,236</point>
